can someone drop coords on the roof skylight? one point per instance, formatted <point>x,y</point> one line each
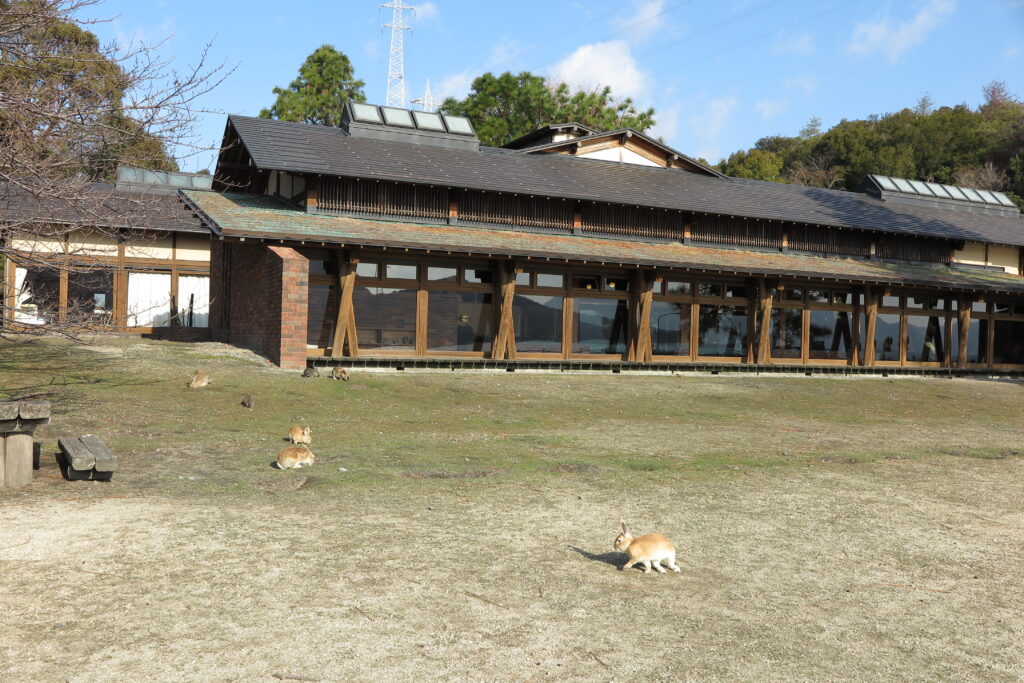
<point>398,117</point>
<point>366,113</point>
<point>428,121</point>
<point>458,124</point>
<point>926,190</point>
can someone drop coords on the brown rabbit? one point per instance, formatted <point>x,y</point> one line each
<point>651,550</point>
<point>299,435</point>
<point>311,371</point>
<point>295,457</point>
<point>200,378</point>
<point>339,373</point>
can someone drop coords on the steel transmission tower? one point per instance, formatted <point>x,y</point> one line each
<point>427,102</point>
<point>396,64</point>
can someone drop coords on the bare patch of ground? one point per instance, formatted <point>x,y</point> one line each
<point>826,529</point>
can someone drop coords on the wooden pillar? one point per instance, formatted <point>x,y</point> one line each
<point>312,194</point>
<point>421,319</point>
<point>871,313</point>
<point>505,339</point>
<point>62,302</point>
<point>964,313</point>
<point>855,328</point>
<point>947,332</point>
<point>345,324</point>
<point>3,466</point>
<point>18,459</point>
<point>641,300</point>
<point>453,206</point>
<point>766,295</point>
<point>567,305</point>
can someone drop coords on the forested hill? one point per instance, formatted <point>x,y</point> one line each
<point>980,148</point>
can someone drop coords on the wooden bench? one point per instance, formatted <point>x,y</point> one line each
<point>86,457</point>
<point>18,422</point>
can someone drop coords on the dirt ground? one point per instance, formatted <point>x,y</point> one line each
<point>469,535</point>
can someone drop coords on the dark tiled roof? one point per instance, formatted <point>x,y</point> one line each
<point>99,205</point>
<point>259,216</point>
<point>303,148</point>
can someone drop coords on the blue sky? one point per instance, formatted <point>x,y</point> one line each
<point>720,73</point>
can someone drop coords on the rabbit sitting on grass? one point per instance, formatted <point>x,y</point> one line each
<point>294,457</point>
<point>651,550</point>
<point>300,435</point>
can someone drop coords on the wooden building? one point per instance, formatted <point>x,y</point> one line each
<point>128,257</point>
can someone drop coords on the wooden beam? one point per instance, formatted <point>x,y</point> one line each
<point>345,323</point>
<point>964,313</point>
<point>871,314</point>
<point>505,339</point>
<point>644,350</point>
<point>421,321</point>
<point>764,351</point>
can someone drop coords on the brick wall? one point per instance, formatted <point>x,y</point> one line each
<point>259,294</point>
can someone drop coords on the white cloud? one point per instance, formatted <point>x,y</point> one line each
<point>600,64</point>
<point>770,108</point>
<point>667,123</point>
<point>806,84</point>
<point>707,124</point>
<point>644,22</point>
<point>894,38</point>
<point>454,85</point>
<point>372,47</point>
<point>427,11</point>
<point>1011,52</point>
<point>802,45</point>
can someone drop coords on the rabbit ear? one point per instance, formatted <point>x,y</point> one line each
<point>623,525</point>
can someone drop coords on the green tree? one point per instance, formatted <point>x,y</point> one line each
<point>756,164</point>
<point>63,110</point>
<point>326,82</point>
<point>503,108</point>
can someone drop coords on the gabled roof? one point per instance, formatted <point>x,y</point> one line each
<point>262,217</point>
<point>524,141</point>
<point>301,148</point>
<point>623,134</point>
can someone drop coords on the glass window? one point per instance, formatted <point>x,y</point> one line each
<point>786,332</point>
<point>194,300</point>
<point>925,343</point>
<point>887,336</point>
<point>736,291</point>
<point>657,286</point>
<point>321,312</point>
<point>37,295</point>
<point>365,112</point>
<point>522,279</point>
<point>830,336</point>
<point>937,304</point>
<point>599,326</point>
<point>479,276</point>
<point>915,301</point>
<point>1018,309</point>
<point>677,287</point>
<point>91,296</point>
<point>1000,306</point>
<point>977,344</point>
<point>397,117</point>
<point>1008,346</point>
<point>400,271</point>
<point>368,270</point>
<point>792,294</point>
<point>385,317</point>
<point>149,299</point>
<point>538,323</point>
<point>586,282</point>
<point>437,273</point>
<point>890,301</point>
<point>979,307</point>
<point>817,296</point>
<point>458,124</point>
<point>321,261</point>
<point>670,328</point>
<point>459,321</point>
<point>709,289</point>
<point>723,331</point>
<point>428,121</point>
<point>550,280</point>
<point>616,284</point>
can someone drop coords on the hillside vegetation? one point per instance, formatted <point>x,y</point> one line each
<point>981,148</point>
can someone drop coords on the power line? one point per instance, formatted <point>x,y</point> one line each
<point>713,27</point>
<point>757,38</point>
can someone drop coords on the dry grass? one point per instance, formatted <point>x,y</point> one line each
<point>470,536</point>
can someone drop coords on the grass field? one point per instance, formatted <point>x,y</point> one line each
<point>827,528</point>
